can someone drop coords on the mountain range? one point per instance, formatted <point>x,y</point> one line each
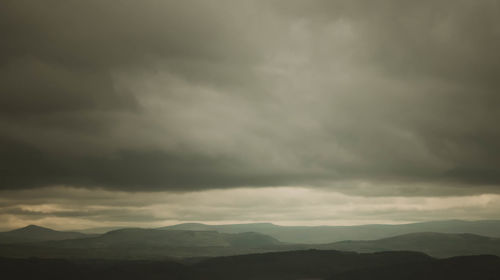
<point>139,243</point>
<point>327,234</point>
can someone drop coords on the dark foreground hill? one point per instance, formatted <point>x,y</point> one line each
<point>33,233</point>
<point>327,234</point>
<point>304,264</point>
<point>309,264</point>
<point>456,268</point>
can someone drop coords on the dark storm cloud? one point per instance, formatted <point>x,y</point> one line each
<point>170,95</point>
<point>128,170</point>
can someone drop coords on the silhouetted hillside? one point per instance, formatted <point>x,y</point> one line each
<point>309,264</point>
<point>457,268</point>
<point>60,269</point>
<point>434,244</point>
<point>299,264</point>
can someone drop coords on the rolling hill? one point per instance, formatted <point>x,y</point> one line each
<point>136,243</point>
<point>328,234</point>
<point>175,238</point>
<point>434,244</point>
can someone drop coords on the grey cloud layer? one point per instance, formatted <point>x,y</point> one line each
<point>169,95</point>
<point>70,208</point>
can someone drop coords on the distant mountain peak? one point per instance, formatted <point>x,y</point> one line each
<point>32,228</point>
<point>35,227</point>
<point>35,233</point>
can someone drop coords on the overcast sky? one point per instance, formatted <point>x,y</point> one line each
<point>146,113</point>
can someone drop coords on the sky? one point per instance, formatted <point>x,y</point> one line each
<point>150,113</point>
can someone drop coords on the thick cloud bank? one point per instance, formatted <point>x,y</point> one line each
<point>71,208</point>
<point>191,95</point>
